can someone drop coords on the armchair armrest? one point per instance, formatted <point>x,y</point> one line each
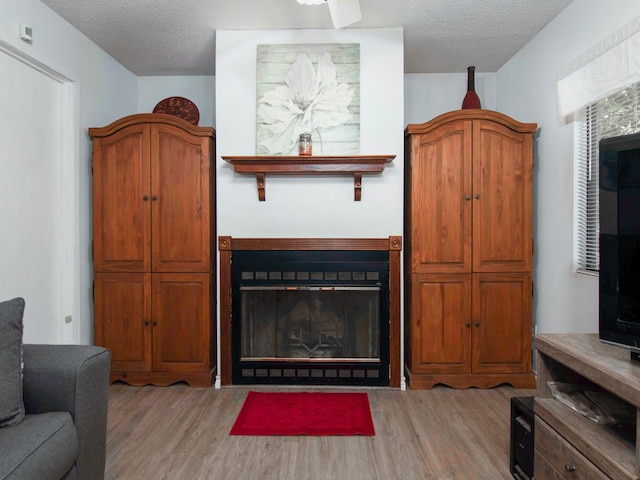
<point>74,379</point>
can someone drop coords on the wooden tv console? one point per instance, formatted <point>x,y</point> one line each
<point>568,444</point>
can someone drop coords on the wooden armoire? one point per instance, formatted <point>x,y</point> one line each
<point>468,250</point>
<point>153,221</point>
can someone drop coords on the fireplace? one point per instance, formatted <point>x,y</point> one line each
<point>310,311</point>
<point>310,317</point>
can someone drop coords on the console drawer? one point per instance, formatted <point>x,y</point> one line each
<point>555,459</point>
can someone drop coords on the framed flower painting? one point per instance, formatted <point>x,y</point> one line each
<point>308,88</point>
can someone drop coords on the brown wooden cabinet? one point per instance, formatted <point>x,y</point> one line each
<point>468,249</point>
<point>153,218</point>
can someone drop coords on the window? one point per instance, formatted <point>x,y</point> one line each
<point>618,114</point>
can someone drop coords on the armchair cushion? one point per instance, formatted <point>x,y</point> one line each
<point>43,446</point>
<point>11,403</point>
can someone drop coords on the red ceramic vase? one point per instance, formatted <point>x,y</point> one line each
<point>471,99</point>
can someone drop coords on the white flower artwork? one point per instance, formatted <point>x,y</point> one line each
<point>308,88</point>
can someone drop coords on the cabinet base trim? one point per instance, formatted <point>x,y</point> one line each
<point>517,380</point>
<point>163,379</point>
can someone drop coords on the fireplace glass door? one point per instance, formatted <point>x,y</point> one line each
<point>310,317</point>
<point>311,323</point>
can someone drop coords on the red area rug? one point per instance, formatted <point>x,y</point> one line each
<point>304,413</point>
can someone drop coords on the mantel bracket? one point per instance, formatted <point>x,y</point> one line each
<point>357,186</point>
<point>261,186</point>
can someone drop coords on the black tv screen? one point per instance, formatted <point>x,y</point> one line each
<point>619,280</point>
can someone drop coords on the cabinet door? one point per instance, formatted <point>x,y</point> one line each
<point>182,322</point>
<point>180,179</point>
<point>121,202</point>
<point>501,323</point>
<point>502,176</point>
<point>440,202</point>
<point>122,318</point>
<point>440,323</point>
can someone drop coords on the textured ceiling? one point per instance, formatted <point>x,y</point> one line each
<point>177,37</point>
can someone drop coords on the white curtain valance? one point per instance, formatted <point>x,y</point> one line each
<point>608,66</point>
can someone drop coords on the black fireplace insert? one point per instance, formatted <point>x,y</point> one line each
<point>310,317</point>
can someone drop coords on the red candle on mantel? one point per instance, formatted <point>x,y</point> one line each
<point>471,99</point>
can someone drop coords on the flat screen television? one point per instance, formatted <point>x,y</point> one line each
<point>619,280</point>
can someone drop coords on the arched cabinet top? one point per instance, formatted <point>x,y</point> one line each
<point>146,118</point>
<point>470,114</point>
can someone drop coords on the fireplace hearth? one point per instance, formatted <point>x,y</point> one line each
<point>310,311</point>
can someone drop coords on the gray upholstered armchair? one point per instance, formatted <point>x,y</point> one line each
<point>63,434</point>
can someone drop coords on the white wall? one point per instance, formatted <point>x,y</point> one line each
<point>104,91</point>
<point>200,89</point>
<point>427,95</point>
<point>526,89</point>
<point>311,206</point>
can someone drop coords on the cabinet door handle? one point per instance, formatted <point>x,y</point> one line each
<point>468,324</point>
<point>570,468</point>
<point>146,323</point>
<point>154,323</point>
<point>154,198</point>
<point>145,198</point>
<point>477,195</point>
<point>477,324</point>
<point>467,197</point>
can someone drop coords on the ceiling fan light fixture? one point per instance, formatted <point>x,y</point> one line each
<point>344,12</point>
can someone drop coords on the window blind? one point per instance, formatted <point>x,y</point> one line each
<point>615,115</point>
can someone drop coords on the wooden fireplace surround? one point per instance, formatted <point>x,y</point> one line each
<point>227,245</point>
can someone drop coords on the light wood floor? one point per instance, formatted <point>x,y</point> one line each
<point>179,432</point>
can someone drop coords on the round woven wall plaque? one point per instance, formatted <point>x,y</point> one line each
<point>180,107</point>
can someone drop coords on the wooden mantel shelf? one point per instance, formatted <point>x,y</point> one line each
<point>355,165</point>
